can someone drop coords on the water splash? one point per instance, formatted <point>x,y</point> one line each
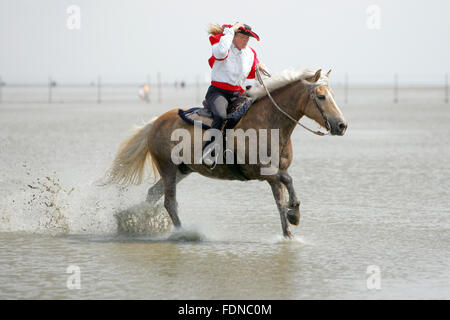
<point>186,235</point>
<point>46,205</point>
<point>143,219</point>
<point>39,205</point>
<point>295,240</point>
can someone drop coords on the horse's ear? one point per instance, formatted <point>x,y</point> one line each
<point>328,73</point>
<point>317,75</point>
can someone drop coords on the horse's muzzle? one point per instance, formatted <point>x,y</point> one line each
<point>338,126</point>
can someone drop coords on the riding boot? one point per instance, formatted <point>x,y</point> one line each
<point>209,149</point>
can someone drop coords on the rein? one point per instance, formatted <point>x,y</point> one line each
<point>312,96</point>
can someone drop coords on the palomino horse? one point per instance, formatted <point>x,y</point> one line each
<point>298,94</point>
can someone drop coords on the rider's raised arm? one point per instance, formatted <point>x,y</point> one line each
<point>220,49</point>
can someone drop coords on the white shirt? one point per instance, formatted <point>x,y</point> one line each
<point>232,66</point>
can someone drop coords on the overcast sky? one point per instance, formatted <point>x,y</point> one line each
<point>124,41</point>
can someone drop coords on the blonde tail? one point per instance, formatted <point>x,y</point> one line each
<point>129,165</point>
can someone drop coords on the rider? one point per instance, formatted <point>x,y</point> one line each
<point>232,62</point>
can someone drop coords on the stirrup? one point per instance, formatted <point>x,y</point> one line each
<point>206,157</point>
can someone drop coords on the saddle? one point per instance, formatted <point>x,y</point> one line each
<point>203,116</point>
<point>235,112</point>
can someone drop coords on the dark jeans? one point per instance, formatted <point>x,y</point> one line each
<point>218,101</point>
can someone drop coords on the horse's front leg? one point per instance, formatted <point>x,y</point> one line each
<point>293,213</point>
<point>278,194</point>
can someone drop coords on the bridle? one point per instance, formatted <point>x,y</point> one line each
<point>312,95</point>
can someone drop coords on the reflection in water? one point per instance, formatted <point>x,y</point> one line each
<point>210,270</point>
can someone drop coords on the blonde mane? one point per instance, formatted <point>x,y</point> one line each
<point>283,79</point>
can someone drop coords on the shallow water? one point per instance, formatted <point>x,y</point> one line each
<point>379,196</point>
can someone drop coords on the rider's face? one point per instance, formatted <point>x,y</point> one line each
<point>240,40</point>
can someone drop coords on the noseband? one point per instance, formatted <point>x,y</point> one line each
<point>313,97</point>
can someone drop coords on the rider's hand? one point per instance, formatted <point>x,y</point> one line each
<point>237,25</point>
<point>262,67</point>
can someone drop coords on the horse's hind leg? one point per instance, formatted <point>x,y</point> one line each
<point>278,194</point>
<point>170,194</point>
<point>157,190</point>
<point>293,213</point>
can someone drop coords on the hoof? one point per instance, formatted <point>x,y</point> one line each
<point>183,235</point>
<point>288,235</point>
<point>293,216</point>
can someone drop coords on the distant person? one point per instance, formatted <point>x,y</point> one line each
<point>182,84</point>
<point>144,92</point>
<point>232,62</point>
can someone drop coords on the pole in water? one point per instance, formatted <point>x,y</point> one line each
<point>395,88</point>
<point>446,88</point>
<point>159,87</point>
<point>99,92</point>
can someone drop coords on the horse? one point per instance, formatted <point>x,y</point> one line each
<point>298,93</point>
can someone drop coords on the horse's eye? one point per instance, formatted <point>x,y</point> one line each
<point>321,97</point>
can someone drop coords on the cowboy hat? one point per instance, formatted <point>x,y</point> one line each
<point>247,30</point>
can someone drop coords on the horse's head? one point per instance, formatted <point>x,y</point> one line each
<point>321,106</point>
